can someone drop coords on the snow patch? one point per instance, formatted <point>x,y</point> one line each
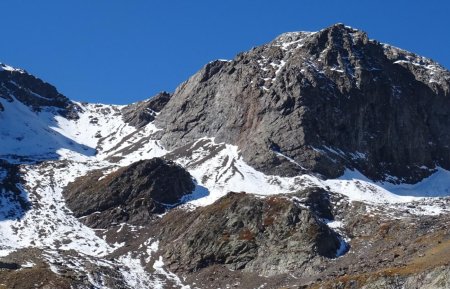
<point>28,264</point>
<point>135,274</point>
<point>159,268</point>
<point>334,224</point>
<point>289,159</point>
<point>5,67</point>
<point>226,171</point>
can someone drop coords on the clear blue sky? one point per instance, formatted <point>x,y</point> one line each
<point>117,51</point>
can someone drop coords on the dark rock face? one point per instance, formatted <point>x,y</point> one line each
<point>13,200</point>
<point>329,100</point>
<point>267,236</point>
<point>317,200</point>
<point>141,113</point>
<point>132,194</point>
<point>34,93</point>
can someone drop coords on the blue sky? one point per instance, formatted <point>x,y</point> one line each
<point>119,52</point>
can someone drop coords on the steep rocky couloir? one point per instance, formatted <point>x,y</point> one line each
<point>267,236</point>
<point>329,100</point>
<point>132,194</point>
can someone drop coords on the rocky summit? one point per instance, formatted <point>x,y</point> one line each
<point>318,160</point>
<point>328,101</point>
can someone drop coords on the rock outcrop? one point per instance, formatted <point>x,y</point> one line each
<point>33,92</point>
<point>327,100</point>
<point>141,113</point>
<point>243,232</point>
<point>133,194</point>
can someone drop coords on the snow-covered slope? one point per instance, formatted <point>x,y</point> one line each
<point>221,169</point>
<point>29,134</point>
<point>52,150</point>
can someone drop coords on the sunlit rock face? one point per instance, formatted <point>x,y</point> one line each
<point>327,100</point>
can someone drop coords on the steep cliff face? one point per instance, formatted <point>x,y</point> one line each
<point>326,100</point>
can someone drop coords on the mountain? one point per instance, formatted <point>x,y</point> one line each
<point>328,100</point>
<point>318,160</point>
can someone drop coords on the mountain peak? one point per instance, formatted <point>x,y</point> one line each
<point>342,27</point>
<point>331,87</point>
<point>17,84</point>
<point>341,36</point>
<point>334,31</point>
